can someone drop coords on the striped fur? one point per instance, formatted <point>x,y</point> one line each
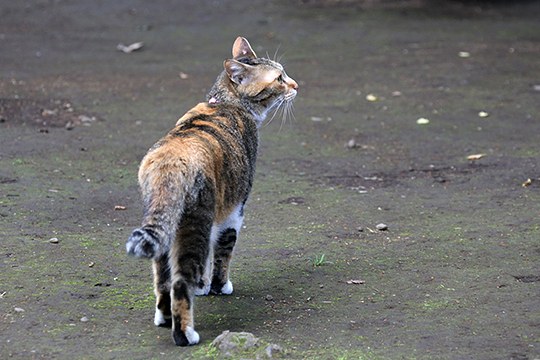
<point>195,182</point>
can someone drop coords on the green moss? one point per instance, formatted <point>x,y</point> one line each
<point>128,298</point>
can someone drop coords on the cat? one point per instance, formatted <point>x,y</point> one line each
<point>195,182</point>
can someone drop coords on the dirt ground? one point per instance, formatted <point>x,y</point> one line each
<point>456,275</point>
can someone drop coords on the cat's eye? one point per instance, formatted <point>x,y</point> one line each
<point>280,79</point>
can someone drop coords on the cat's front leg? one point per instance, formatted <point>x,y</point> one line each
<point>221,285</point>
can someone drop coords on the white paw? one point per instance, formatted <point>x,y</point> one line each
<point>192,336</point>
<point>205,290</point>
<point>159,319</point>
<point>227,289</point>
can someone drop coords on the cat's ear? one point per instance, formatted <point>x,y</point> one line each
<point>237,71</point>
<point>242,49</point>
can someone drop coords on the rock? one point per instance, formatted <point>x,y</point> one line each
<point>54,240</point>
<point>84,319</point>
<point>18,309</point>
<point>382,227</point>
<point>269,298</point>
<point>244,345</point>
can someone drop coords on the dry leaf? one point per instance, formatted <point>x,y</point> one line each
<point>130,48</point>
<point>527,182</point>
<point>475,157</point>
<point>355,282</point>
<point>371,97</point>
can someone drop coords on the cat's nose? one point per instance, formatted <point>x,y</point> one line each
<point>293,84</point>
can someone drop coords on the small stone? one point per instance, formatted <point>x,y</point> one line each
<point>422,121</point>
<point>269,298</point>
<point>351,144</point>
<point>483,114</point>
<point>84,319</point>
<point>18,309</point>
<point>360,229</point>
<point>464,54</point>
<point>381,227</point>
<point>54,240</point>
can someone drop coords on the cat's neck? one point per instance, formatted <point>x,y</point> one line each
<point>224,92</point>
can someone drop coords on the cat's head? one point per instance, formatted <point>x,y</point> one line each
<point>261,82</point>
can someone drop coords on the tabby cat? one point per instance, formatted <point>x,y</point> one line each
<point>195,182</point>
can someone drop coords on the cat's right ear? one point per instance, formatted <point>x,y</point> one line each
<point>237,71</point>
<point>242,49</point>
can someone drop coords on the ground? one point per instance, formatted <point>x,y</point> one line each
<point>455,275</point>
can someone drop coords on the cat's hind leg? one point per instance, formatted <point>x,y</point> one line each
<point>162,290</point>
<point>223,248</point>
<point>188,257</point>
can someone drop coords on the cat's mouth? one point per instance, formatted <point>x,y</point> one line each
<point>289,96</point>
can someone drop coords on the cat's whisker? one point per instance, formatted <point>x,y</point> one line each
<point>275,111</point>
<point>275,54</point>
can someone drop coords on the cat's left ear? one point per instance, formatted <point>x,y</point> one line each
<point>237,71</point>
<point>242,49</point>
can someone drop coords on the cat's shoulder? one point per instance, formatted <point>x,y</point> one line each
<point>202,108</point>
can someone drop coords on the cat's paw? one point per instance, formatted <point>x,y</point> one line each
<point>222,289</point>
<point>202,290</point>
<point>142,244</point>
<point>187,338</point>
<point>227,289</point>
<point>162,320</point>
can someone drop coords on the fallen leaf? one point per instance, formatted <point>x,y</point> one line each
<point>475,157</point>
<point>130,48</point>
<point>355,282</point>
<point>371,97</point>
<point>119,207</point>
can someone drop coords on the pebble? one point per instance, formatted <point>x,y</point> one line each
<point>382,227</point>
<point>54,240</point>
<point>483,114</point>
<point>351,144</point>
<point>269,298</point>
<point>84,319</point>
<point>360,229</point>
<point>18,309</point>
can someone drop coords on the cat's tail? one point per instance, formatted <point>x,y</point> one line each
<point>164,186</point>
